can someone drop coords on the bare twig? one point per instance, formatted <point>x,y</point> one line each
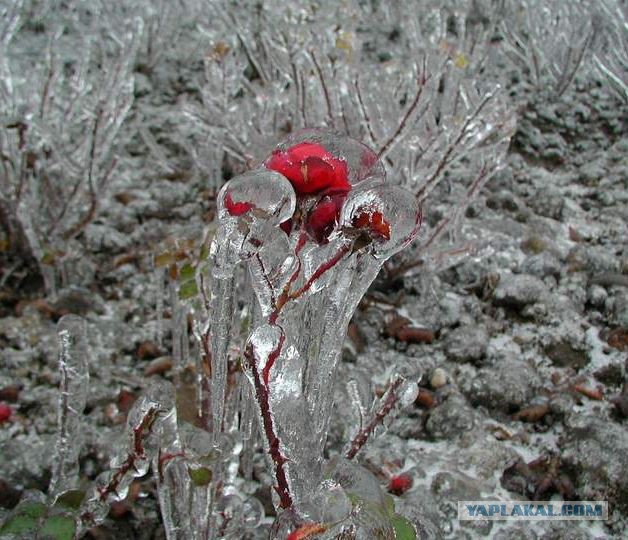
<point>449,153</point>
<point>365,115</point>
<point>321,78</point>
<point>391,399</point>
<point>422,79</point>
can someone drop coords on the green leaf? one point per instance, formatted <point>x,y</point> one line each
<point>461,61</point>
<point>404,530</point>
<point>70,499</point>
<point>389,504</point>
<point>245,325</point>
<point>34,510</point>
<point>187,272</point>
<point>204,254</point>
<point>59,527</point>
<point>188,290</point>
<point>18,524</point>
<point>200,476</point>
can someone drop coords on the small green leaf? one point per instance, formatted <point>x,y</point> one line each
<point>18,524</point>
<point>188,290</point>
<point>32,510</point>
<point>70,499</point>
<point>245,325</point>
<point>59,527</point>
<point>204,254</point>
<point>389,504</point>
<point>404,530</point>
<point>187,272</point>
<point>200,476</point>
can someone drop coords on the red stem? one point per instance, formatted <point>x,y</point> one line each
<point>320,271</point>
<point>262,380</point>
<point>272,357</point>
<point>360,439</point>
<point>261,391</point>
<point>286,295</point>
<point>136,452</point>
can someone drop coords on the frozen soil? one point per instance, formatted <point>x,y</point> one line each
<point>528,362</point>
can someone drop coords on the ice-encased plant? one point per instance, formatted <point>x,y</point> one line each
<point>313,226</point>
<point>550,41</point>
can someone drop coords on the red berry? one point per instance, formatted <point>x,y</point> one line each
<point>399,484</point>
<point>311,169</point>
<point>375,223</point>
<point>236,208</point>
<point>5,412</point>
<point>324,217</point>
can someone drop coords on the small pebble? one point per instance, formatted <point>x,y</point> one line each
<point>439,378</point>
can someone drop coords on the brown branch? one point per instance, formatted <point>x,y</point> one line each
<point>477,183</point>
<point>46,90</point>
<point>303,104</point>
<point>320,271</point>
<point>273,300</point>
<point>94,202</point>
<point>421,80</point>
<point>319,71</point>
<point>567,78</point>
<point>274,447</point>
<point>450,149</point>
<point>299,94</point>
<point>363,435</point>
<point>286,295</point>
<point>365,115</point>
<point>135,454</point>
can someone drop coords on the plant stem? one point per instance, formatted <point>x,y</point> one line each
<point>261,392</point>
<point>363,435</point>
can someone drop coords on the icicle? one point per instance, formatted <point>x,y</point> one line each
<point>222,313</point>
<point>74,385</point>
<point>180,346</point>
<point>159,277</point>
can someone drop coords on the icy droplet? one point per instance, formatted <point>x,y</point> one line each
<point>389,214</point>
<point>252,513</point>
<point>263,193</point>
<point>330,503</point>
<point>408,392</point>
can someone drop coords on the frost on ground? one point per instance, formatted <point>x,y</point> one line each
<point>519,345</point>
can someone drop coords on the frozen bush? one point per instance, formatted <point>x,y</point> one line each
<point>611,54</point>
<point>550,41</point>
<point>64,97</point>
